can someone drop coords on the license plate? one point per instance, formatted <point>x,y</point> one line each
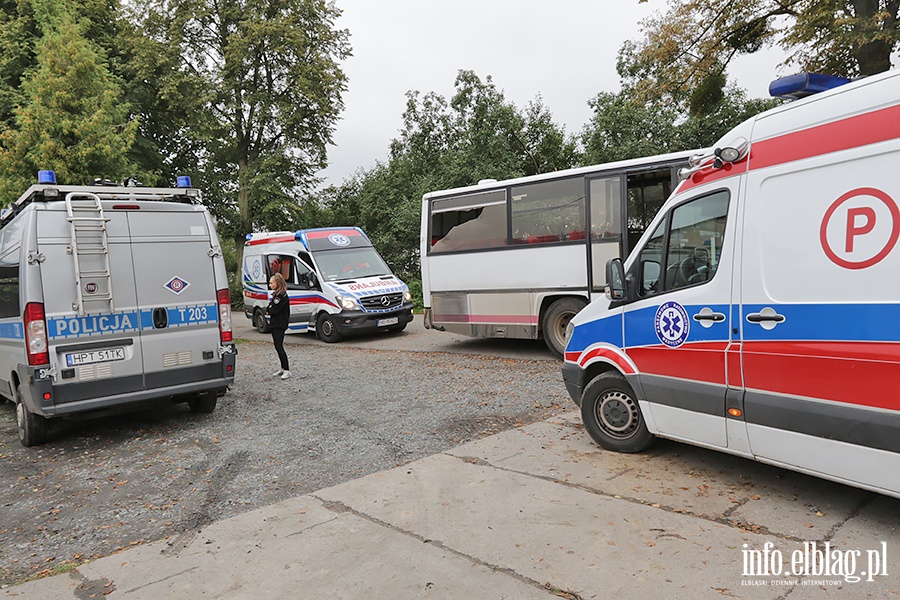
<point>75,359</point>
<point>390,321</point>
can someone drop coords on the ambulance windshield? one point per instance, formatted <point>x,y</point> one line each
<point>351,263</point>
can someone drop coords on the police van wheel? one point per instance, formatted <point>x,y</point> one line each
<point>327,330</point>
<point>612,416</point>
<point>259,321</point>
<point>204,403</point>
<point>32,427</point>
<point>556,319</point>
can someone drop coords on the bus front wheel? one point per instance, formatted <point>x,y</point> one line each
<point>556,319</point>
<point>611,414</point>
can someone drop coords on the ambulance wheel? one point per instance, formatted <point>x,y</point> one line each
<point>327,330</point>
<point>204,403</point>
<point>556,319</point>
<point>612,416</point>
<point>32,428</point>
<point>259,321</point>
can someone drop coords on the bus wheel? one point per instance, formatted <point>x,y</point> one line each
<point>556,319</point>
<point>327,330</point>
<point>32,427</point>
<point>204,403</point>
<point>612,416</point>
<point>259,321</point>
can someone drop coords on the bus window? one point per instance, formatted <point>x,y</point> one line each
<point>476,221</point>
<point>549,211</point>
<point>646,193</point>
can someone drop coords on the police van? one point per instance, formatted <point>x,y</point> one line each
<point>110,296</point>
<point>758,315</point>
<point>337,283</point>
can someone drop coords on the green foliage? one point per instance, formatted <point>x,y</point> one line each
<point>71,117</point>
<point>444,143</point>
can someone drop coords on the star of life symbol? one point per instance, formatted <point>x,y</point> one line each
<point>339,239</point>
<point>672,324</point>
<point>176,285</point>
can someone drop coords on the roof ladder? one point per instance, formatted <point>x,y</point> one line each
<point>90,251</point>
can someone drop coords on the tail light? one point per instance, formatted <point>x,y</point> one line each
<point>36,334</point>
<point>224,299</point>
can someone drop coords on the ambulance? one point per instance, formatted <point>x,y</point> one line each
<point>337,283</point>
<point>111,296</point>
<point>759,314</point>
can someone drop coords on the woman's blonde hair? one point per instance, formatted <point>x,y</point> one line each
<point>280,283</point>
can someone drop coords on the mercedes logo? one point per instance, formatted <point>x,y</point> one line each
<point>385,301</point>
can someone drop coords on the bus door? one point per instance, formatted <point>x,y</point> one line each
<point>604,201</point>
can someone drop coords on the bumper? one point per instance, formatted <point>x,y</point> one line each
<point>121,392</point>
<point>573,376</point>
<point>357,321</point>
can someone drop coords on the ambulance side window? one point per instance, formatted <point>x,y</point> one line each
<point>688,242</point>
<point>280,263</point>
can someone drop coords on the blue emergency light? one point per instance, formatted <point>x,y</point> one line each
<point>804,84</point>
<point>46,177</point>
<point>184,181</point>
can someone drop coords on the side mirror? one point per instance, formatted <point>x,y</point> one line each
<point>615,279</point>
<point>311,280</point>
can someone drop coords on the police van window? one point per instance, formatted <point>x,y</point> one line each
<point>693,245</point>
<point>9,291</point>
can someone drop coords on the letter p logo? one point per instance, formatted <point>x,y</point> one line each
<point>854,228</point>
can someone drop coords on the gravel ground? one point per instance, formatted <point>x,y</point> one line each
<point>105,484</point>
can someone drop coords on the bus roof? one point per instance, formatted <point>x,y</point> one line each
<point>611,166</point>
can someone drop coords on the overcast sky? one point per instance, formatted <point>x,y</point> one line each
<point>565,51</point>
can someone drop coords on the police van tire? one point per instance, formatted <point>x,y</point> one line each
<point>204,403</point>
<point>32,428</point>
<point>556,319</point>
<point>327,330</point>
<point>612,416</point>
<point>259,321</point>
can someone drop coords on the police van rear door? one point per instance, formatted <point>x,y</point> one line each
<point>175,284</point>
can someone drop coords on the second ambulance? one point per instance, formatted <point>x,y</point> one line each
<point>759,314</point>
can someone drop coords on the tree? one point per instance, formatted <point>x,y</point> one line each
<point>71,117</point>
<point>271,92</point>
<point>684,52</point>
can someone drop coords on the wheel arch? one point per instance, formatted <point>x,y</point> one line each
<point>548,300</point>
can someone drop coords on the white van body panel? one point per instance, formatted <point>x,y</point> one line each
<point>804,346</point>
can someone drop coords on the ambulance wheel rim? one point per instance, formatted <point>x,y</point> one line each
<point>617,413</point>
<point>327,327</point>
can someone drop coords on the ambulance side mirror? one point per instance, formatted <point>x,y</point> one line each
<point>615,280</point>
<point>311,280</point>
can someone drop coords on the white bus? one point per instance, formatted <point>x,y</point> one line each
<point>519,258</point>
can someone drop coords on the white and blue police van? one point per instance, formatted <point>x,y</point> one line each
<point>111,297</point>
<point>758,314</point>
<point>337,282</point>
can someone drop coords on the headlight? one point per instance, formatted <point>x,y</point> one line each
<point>407,297</point>
<point>347,302</point>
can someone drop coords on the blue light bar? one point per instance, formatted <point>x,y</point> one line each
<point>804,84</point>
<point>184,181</point>
<point>46,177</point>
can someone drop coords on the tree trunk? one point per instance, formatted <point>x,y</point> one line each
<point>874,56</point>
<point>245,218</point>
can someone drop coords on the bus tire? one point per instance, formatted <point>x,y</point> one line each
<point>259,321</point>
<point>612,416</point>
<point>205,403</point>
<point>555,320</point>
<point>32,428</point>
<point>327,330</point>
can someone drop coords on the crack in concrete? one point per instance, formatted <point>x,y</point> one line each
<point>341,508</point>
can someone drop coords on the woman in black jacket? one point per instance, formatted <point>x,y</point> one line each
<point>279,311</point>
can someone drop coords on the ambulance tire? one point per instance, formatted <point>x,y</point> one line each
<point>612,416</point>
<point>32,428</point>
<point>327,330</point>
<point>259,321</point>
<point>555,320</point>
<point>205,403</point>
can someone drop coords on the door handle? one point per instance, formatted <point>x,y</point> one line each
<point>713,316</point>
<point>767,318</point>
